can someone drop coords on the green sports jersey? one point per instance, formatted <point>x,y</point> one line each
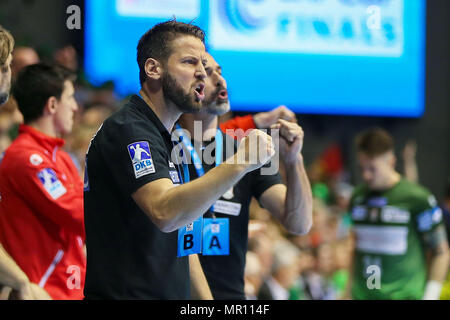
<point>389,255</point>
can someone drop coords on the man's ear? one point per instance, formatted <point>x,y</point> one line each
<point>50,106</point>
<point>153,69</point>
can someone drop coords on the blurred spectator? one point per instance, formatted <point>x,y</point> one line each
<point>87,124</point>
<point>343,193</point>
<point>262,246</point>
<point>23,57</point>
<point>319,283</point>
<point>321,229</point>
<point>67,57</point>
<point>343,260</point>
<point>285,271</point>
<point>253,275</point>
<point>256,227</point>
<point>325,173</point>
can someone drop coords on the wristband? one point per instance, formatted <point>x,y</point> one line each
<point>432,290</point>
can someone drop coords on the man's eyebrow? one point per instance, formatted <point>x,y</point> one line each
<point>189,56</point>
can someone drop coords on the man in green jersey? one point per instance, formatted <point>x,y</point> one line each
<point>401,249</point>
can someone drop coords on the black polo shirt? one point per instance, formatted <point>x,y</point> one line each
<point>128,257</point>
<point>225,274</point>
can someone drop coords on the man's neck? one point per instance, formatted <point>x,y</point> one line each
<point>393,179</point>
<point>45,126</point>
<point>168,114</point>
<point>208,123</point>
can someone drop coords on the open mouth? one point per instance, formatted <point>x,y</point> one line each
<point>200,91</point>
<point>222,95</point>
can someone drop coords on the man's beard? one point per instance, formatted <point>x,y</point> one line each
<point>215,105</point>
<point>218,108</point>
<point>174,92</point>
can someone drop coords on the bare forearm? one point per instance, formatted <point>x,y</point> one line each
<point>298,204</point>
<point>437,245</point>
<point>10,273</point>
<point>199,285</point>
<point>184,204</point>
<point>439,267</point>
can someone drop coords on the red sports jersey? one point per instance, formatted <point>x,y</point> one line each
<point>41,213</point>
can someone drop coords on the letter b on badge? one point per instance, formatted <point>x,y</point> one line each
<point>190,238</point>
<point>188,241</point>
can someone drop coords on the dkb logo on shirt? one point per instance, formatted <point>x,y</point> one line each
<point>141,158</point>
<point>51,183</point>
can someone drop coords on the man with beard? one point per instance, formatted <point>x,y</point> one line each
<point>6,48</point>
<point>136,202</point>
<point>10,273</point>
<point>223,257</point>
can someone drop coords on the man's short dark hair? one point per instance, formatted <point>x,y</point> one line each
<point>35,84</point>
<point>374,142</point>
<point>156,42</point>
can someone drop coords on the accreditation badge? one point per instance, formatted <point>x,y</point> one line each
<point>216,237</point>
<point>227,207</point>
<point>190,238</point>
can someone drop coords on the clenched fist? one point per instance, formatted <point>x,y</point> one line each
<point>291,140</point>
<point>255,150</point>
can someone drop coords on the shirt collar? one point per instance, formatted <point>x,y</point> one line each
<point>150,114</point>
<point>49,143</point>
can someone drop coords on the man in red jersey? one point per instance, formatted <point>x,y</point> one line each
<point>41,206</point>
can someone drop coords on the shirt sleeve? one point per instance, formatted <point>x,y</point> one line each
<point>48,191</point>
<point>244,123</point>
<point>134,155</point>
<point>261,182</point>
<point>428,214</point>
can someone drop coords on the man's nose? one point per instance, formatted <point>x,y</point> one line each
<point>201,72</point>
<point>221,82</point>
